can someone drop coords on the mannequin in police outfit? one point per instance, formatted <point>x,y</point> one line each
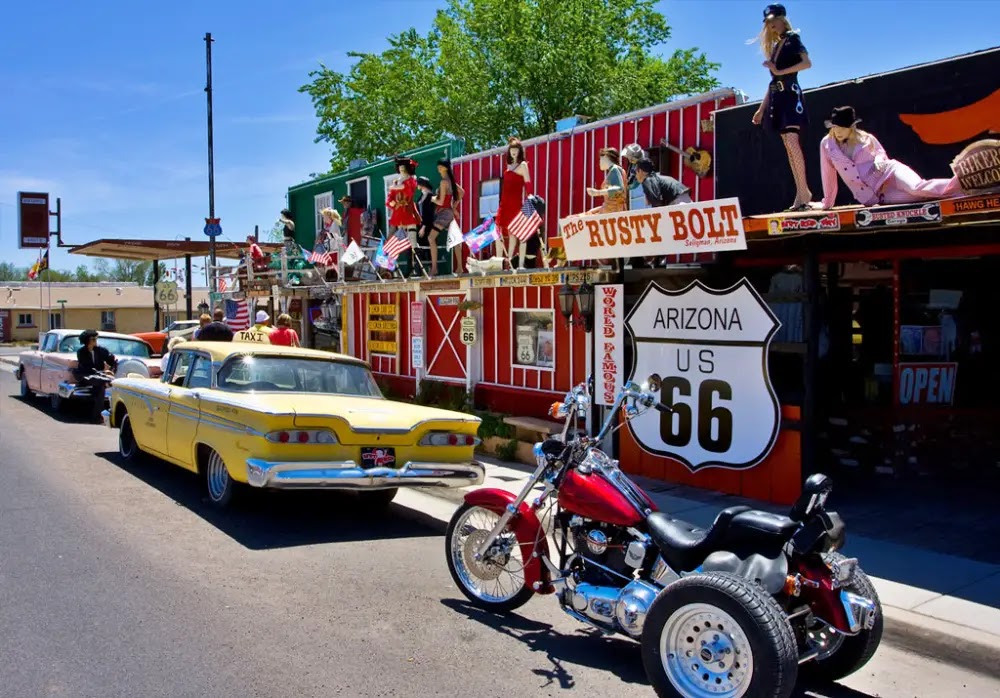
<point>783,108</point>
<point>515,187</point>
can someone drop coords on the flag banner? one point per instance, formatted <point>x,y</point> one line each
<point>454,235</point>
<point>479,238</point>
<point>324,258</point>
<point>237,314</point>
<point>526,223</point>
<point>41,265</point>
<point>397,244</point>
<point>383,260</point>
<point>353,254</point>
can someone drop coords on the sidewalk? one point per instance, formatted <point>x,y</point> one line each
<point>938,605</point>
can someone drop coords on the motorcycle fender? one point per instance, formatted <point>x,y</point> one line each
<point>526,528</point>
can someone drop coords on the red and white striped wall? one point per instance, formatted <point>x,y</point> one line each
<point>564,165</point>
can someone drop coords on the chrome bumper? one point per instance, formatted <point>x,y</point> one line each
<point>69,390</point>
<point>348,475</point>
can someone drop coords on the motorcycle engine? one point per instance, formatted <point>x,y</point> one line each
<point>604,544</point>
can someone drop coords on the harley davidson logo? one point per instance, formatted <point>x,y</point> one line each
<point>710,347</point>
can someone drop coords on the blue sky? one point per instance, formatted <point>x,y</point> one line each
<point>103,103</point>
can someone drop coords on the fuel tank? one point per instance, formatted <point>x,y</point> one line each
<point>593,496</point>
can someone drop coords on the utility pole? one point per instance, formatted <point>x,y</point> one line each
<point>211,160</point>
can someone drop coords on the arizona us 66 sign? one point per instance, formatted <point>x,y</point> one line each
<point>709,348</point>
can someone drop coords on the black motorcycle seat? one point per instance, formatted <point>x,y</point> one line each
<point>684,546</point>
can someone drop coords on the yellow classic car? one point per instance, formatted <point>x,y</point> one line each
<point>288,418</point>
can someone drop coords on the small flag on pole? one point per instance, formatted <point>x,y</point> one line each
<point>382,259</point>
<point>353,254</point>
<point>324,258</point>
<point>41,265</point>
<point>237,314</point>
<point>482,236</point>
<point>526,223</point>
<point>454,235</point>
<point>397,244</point>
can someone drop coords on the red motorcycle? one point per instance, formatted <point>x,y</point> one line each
<point>737,610</point>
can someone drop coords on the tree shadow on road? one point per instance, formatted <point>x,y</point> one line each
<point>263,520</point>
<point>588,647</point>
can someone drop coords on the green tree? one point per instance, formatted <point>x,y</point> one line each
<point>493,68</point>
<point>9,272</point>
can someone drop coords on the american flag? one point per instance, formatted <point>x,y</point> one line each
<point>237,315</point>
<point>324,258</point>
<point>396,245</point>
<point>526,224</point>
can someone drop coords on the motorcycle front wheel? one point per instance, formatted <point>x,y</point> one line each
<point>718,634</point>
<point>496,580</point>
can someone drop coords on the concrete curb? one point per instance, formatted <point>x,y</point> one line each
<point>957,645</point>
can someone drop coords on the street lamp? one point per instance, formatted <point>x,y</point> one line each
<point>584,298</point>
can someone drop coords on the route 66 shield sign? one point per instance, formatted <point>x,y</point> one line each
<point>709,348</point>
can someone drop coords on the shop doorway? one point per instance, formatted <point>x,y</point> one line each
<point>447,357</point>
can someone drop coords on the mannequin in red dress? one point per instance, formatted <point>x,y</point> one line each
<point>515,187</point>
<point>402,202</point>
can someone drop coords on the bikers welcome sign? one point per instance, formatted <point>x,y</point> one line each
<point>709,348</point>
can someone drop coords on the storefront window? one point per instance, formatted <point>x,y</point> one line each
<point>534,338</point>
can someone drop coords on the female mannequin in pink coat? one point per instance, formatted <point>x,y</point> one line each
<point>860,160</point>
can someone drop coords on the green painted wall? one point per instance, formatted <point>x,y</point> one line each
<point>302,197</point>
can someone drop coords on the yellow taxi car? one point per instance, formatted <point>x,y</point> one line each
<point>279,417</point>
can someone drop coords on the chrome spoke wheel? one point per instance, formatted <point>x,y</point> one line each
<point>217,477</point>
<point>496,577</point>
<point>706,653</point>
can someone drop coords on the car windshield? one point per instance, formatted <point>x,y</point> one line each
<point>116,345</point>
<point>288,374</point>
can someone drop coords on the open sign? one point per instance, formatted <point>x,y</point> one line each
<point>927,383</point>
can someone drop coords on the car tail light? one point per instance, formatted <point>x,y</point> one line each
<point>302,436</point>
<point>441,438</point>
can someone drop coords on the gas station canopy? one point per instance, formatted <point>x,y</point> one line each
<point>156,250</point>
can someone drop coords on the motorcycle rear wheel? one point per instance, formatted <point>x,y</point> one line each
<point>846,653</point>
<point>495,582</point>
<point>718,634</point>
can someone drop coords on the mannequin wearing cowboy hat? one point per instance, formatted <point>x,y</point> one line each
<point>402,202</point>
<point>783,108</point>
<point>857,157</point>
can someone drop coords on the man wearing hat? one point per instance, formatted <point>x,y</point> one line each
<point>260,333</point>
<point>92,358</point>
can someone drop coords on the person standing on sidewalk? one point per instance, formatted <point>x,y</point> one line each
<point>283,335</point>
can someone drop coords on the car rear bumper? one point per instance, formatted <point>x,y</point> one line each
<point>348,475</point>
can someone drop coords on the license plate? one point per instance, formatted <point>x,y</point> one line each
<point>378,457</point>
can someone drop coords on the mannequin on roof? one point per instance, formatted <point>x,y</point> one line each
<point>515,187</point>
<point>859,159</point>
<point>402,202</point>
<point>783,108</point>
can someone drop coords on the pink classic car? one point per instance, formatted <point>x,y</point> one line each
<point>48,370</point>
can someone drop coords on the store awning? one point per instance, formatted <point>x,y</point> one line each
<point>156,250</point>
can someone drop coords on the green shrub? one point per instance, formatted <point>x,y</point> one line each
<point>507,450</point>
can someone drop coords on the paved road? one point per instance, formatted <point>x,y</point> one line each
<point>119,581</point>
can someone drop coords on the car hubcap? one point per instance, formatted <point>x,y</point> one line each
<point>218,477</point>
<point>706,653</point>
<point>498,575</point>
<point>126,441</point>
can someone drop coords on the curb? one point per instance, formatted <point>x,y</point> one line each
<point>957,645</point>
<point>950,643</point>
